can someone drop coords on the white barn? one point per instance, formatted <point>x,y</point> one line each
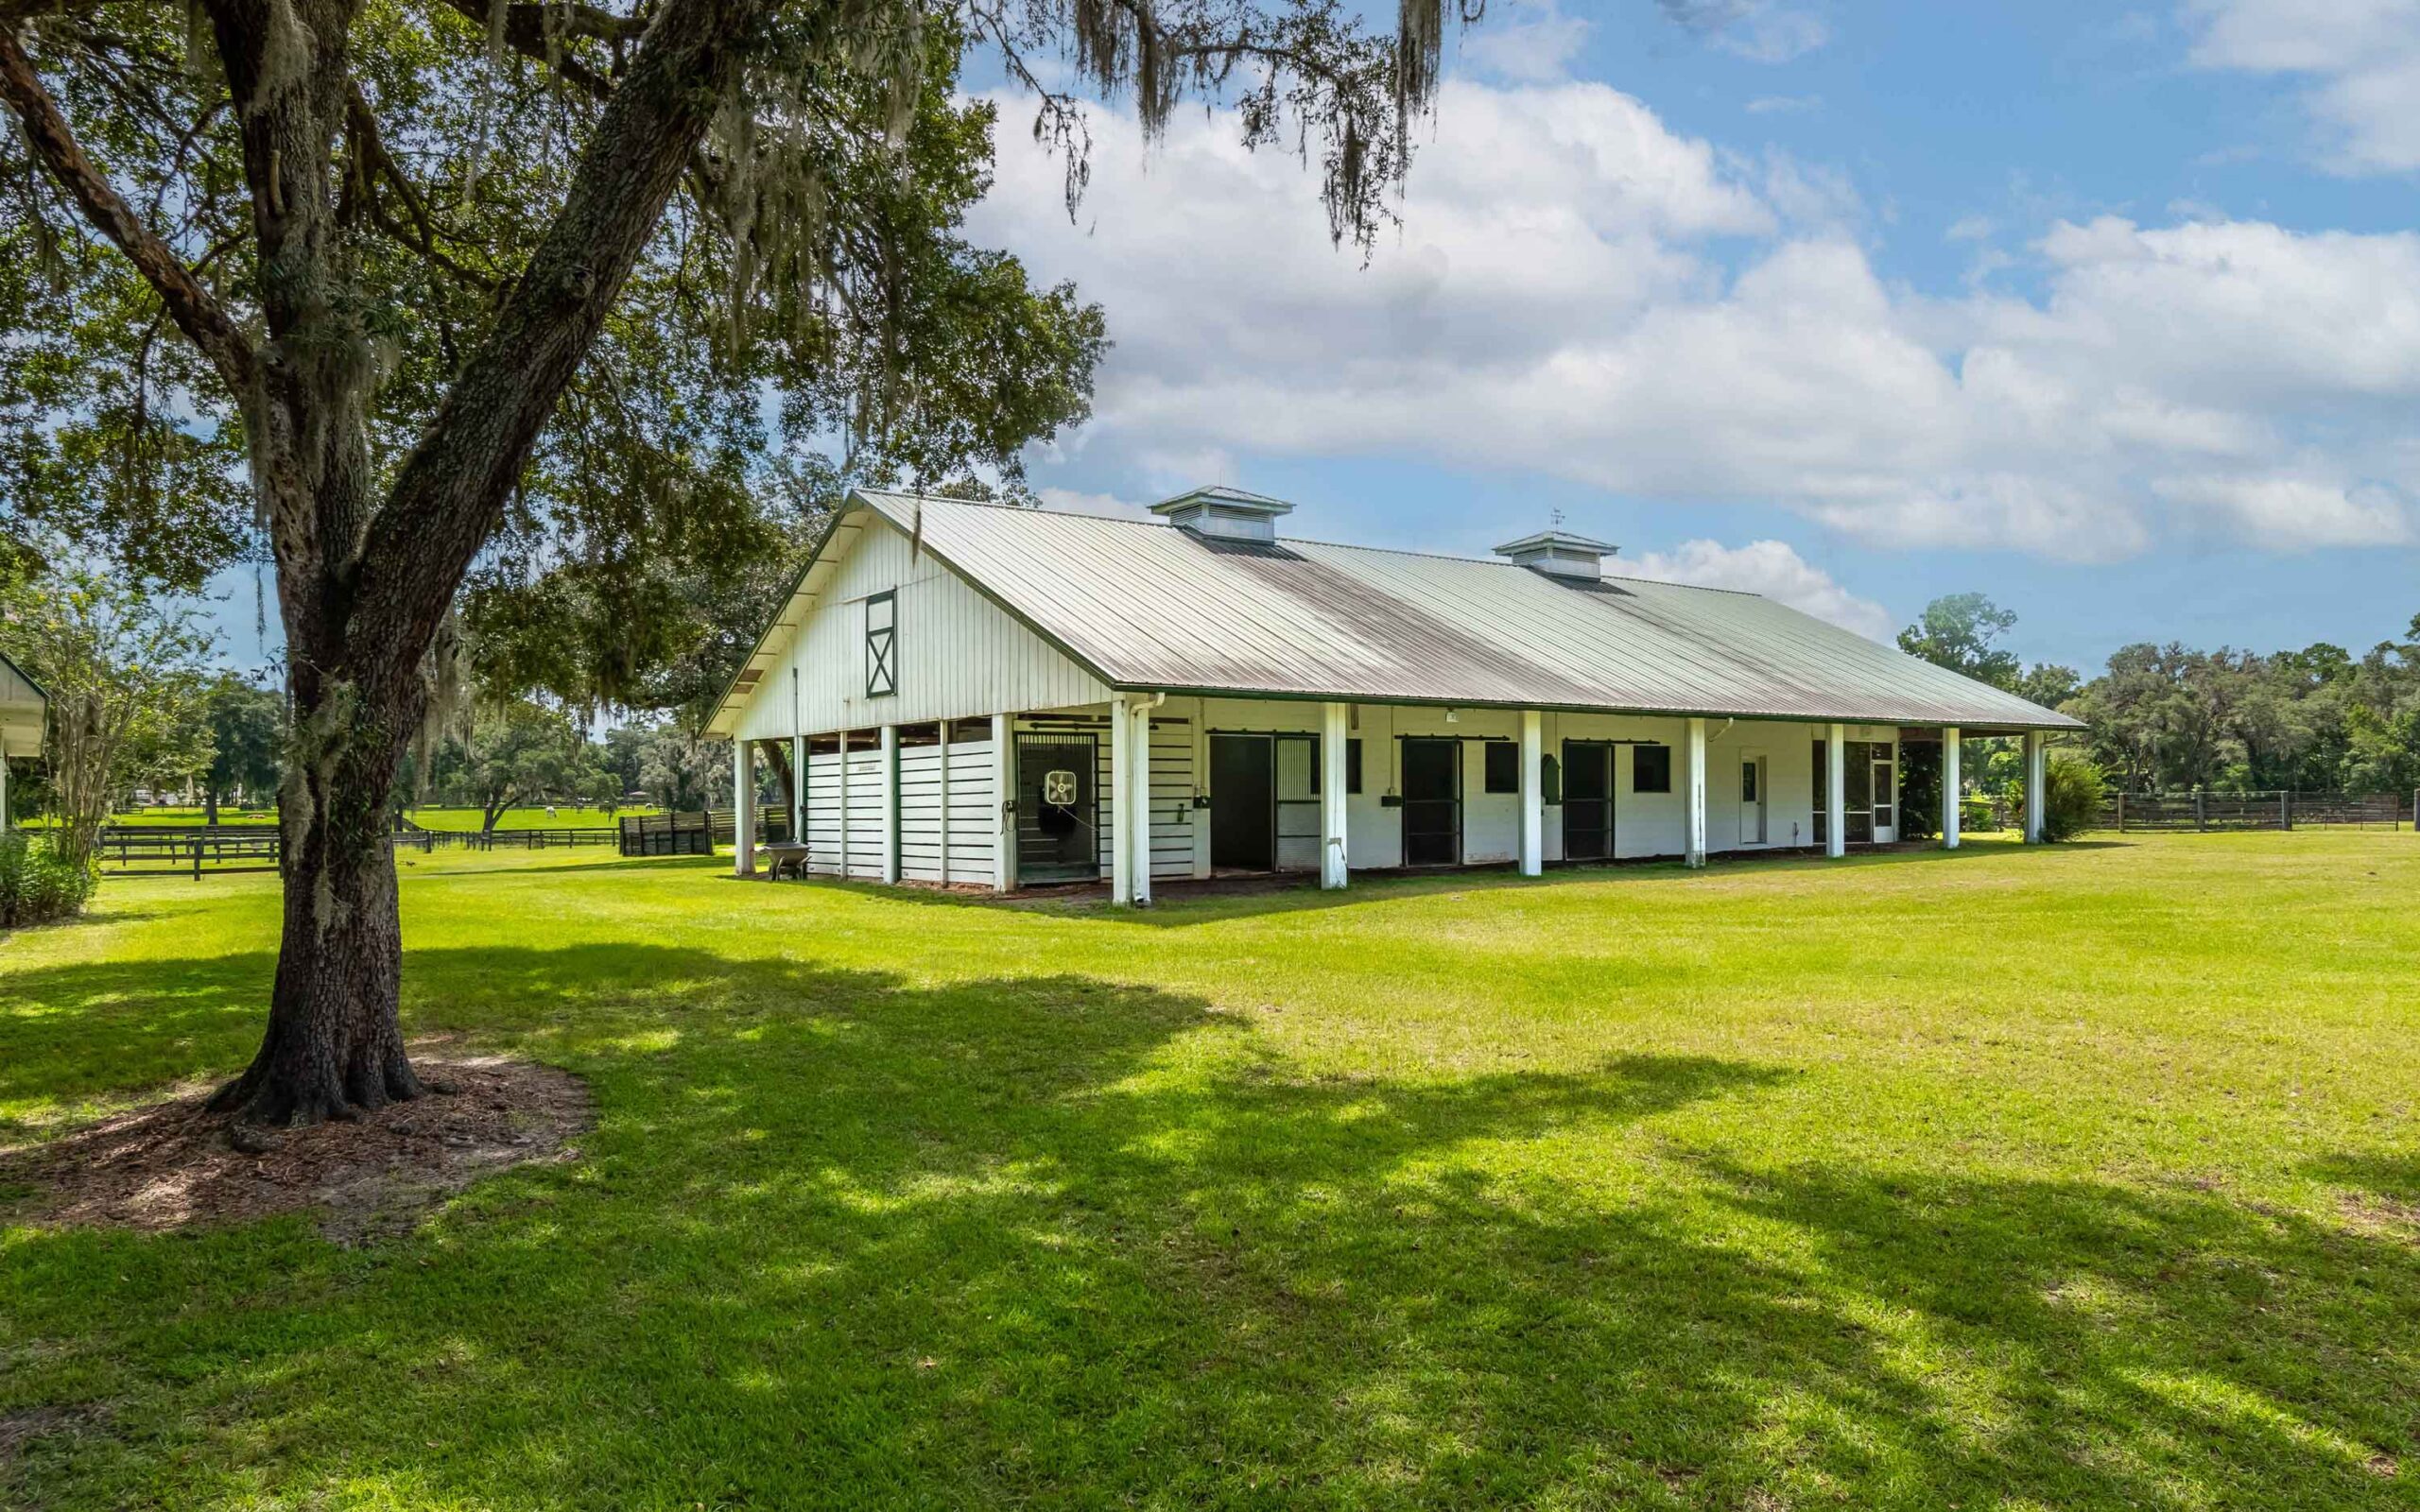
<point>21,715</point>
<point>980,694</point>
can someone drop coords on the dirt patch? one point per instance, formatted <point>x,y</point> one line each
<point>170,1165</point>
<point>2375,1215</point>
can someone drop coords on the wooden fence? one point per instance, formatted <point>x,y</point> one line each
<point>695,834</point>
<point>126,850</point>
<point>134,849</point>
<point>2253,811</point>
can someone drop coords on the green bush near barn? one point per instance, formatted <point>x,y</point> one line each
<point>37,886</point>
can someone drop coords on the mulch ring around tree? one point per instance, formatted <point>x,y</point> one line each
<point>170,1165</point>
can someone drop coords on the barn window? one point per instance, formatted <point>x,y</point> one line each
<point>1352,766</point>
<point>882,645</point>
<point>1650,769</point>
<point>1503,767</point>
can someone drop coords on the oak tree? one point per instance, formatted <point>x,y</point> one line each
<point>418,254</point>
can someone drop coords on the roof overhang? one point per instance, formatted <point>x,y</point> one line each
<point>853,517</point>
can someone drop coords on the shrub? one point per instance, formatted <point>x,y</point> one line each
<point>37,884</point>
<point>2072,787</point>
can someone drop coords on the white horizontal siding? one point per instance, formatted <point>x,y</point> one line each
<point>824,814</point>
<point>867,815</point>
<point>973,817</point>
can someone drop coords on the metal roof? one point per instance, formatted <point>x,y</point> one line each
<point>1143,605</point>
<point>22,702</point>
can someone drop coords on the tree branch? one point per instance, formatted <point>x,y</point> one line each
<point>421,235</point>
<point>451,492</point>
<point>524,33</point>
<point>198,314</point>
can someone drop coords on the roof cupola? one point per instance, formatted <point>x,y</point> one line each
<point>1560,554</point>
<point>1227,514</point>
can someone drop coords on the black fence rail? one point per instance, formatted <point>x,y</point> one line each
<point>135,848</point>
<point>543,838</point>
<point>208,848</point>
<point>694,834</point>
<point>2254,811</point>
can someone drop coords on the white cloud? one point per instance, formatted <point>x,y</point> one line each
<point>1772,568</point>
<point>1784,104</point>
<point>1757,30</point>
<point>1579,292</point>
<point>2298,513</point>
<point>2361,59</point>
<point>1529,41</point>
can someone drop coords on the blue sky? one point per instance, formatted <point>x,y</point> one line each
<point>2113,315</point>
<point>2108,314</point>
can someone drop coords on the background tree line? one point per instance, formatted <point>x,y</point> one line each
<point>2169,718</point>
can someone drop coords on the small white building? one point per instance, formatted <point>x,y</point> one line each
<point>22,703</point>
<point>980,694</point>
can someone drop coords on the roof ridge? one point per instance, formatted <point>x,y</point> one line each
<point>1303,541</point>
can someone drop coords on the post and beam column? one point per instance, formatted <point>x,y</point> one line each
<point>1534,805</point>
<point>2036,783</point>
<point>890,804</point>
<point>1836,790</point>
<point>1949,780</point>
<point>1134,824</point>
<point>1121,773</point>
<point>1693,785</point>
<point>1336,728</point>
<point>743,808</point>
<point>1004,789</point>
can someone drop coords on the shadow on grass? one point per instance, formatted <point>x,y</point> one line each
<point>842,1240</point>
<point>1180,903</point>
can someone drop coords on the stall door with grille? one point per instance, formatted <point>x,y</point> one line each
<point>1057,813</point>
<point>1587,800</point>
<point>1433,802</point>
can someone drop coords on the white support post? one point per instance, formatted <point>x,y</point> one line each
<point>1004,790</point>
<point>4,785</point>
<point>1121,866</point>
<point>2036,783</point>
<point>1137,818</point>
<point>1121,790</point>
<point>1836,790</point>
<point>798,792</point>
<point>1533,810</point>
<point>1336,727</point>
<point>890,804</point>
<point>1949,780</point>
<point>1693,834</point>
<point>1198,818</point>
<point>798,770</point>
<point>940,775</point>
<point>743,808</point>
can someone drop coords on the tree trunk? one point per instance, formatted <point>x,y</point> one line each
<point>334,1045</point>
<point>210,803</point>
<point>363,586</point>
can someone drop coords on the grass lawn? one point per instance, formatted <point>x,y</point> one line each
<point>2078,1177</point>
